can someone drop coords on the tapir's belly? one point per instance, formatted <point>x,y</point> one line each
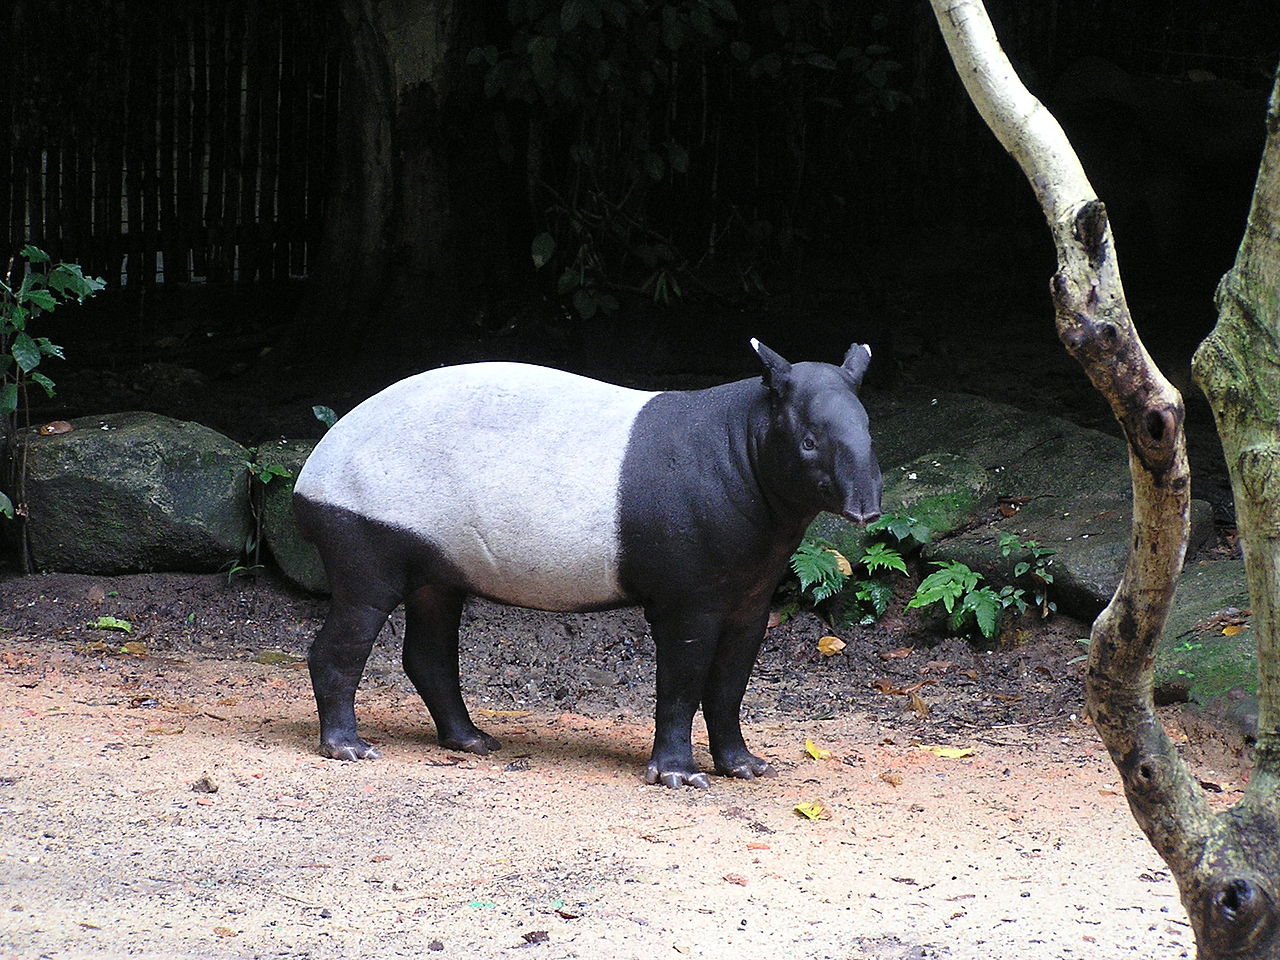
<point>509,473</point>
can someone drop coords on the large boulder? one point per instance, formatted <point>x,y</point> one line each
<point>1066,487</point>
<point>297,559</point>
<point>136,491</point>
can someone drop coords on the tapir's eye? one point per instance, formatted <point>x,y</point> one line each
<point>808,443</point>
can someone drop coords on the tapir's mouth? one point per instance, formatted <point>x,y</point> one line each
<point>854,516</point>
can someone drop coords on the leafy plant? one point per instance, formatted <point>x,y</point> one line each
<point>902,527</point>
<point>613,108</point>
<point>1034,566</point>
<point>260,475</point>
<point>957,588</point>
<point>821,569</point>
<point>31,287</point>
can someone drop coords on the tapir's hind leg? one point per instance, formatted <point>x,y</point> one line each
<point>432,615</point>
<point>337,660</point>
<point>722,697</point>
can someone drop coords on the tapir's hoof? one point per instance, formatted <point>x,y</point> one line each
<point>478,743</point>
<point>353,749</point>
<point>677,778</point>
<point>748,768</point>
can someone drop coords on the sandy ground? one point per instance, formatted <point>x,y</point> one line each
<point>173,806</point>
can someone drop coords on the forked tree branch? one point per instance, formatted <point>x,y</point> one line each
<point>1224,882</point>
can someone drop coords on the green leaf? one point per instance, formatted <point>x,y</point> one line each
<point>34,254</point>
<point>543,249</point>
<point>585,303</point>
<point>874,596</point>
<point>110,623</point>
<point>325,415</point>
<point>818,570</point>
<point>8,399</point>
<point>49,349</point>
<point>571,15</point>
<point>725,10</point>
<point>881,556</point>
<point>26,352</point>
<point>42,299</point>
<point>6,505</point>
<point>985,606</point>
<point>44,382</point>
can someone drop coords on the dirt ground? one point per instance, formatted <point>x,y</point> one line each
<point>163,798</point>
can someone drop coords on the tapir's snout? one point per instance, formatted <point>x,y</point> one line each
<point>862,516</point>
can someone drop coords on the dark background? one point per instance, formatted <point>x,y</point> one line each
<point>693,172</point>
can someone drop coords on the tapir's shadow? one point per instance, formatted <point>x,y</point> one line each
<point>600,747</point>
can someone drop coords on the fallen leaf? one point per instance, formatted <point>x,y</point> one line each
<point>813,809</point>
<point>379,858</point>
<point>887,686</point>
<point>134,648</point>
<point>937,666</point>
<point>536,936</point>
<point>892,777</point>
<point>485,712</point>
<point>737,878</point>
<point>830,646</point>
<point>110,623</point>
<point>55,427</point>
<point>275,658</point>
<point>918,705</point>
<point>1007,697</point>
<point>1231,629</point>
<point>816,751</point>
<point>225,932</point>
<point>947,753</point>
<point>775,619</point>
<point>756,845</point>
<point>900,654</point>
<point>842,562</point>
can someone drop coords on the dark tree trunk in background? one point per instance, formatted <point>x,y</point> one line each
<point>388,255</point>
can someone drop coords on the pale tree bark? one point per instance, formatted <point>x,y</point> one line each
<point>1226,864</point>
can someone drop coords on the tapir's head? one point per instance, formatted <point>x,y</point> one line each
<point>819,441</point>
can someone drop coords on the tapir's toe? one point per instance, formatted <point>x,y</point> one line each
<point>747,767</point>
<point>352,749</point>
<point>677,778</point>
<point>479,743</point>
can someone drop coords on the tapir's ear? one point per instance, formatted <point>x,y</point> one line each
<point>777,371</point>
<point>856,362</point>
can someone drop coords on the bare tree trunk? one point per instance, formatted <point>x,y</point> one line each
<point>386,249</point>
<point>1226,864</point>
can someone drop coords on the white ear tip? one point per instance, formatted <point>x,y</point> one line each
<point>755,344</point>
<point>867,347</point>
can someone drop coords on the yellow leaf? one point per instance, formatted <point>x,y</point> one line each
<point>1231,629</point>
<point>948,753</point>
<point>841,561</point>
<point>813,809</point>
<point>816,751</point>
<point>135,648</point>
<point>830,646</point>
<point>225,932</point>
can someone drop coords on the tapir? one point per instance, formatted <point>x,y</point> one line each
<point>539,488</point>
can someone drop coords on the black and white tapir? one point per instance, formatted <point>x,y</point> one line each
<point>539,488</point>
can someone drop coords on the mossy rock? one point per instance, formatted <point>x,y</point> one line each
<point>1195,652</point>
<point>297,559</point>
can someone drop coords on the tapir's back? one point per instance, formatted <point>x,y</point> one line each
<point>507,471</point>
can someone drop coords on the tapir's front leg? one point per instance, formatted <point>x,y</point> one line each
<point>685,649</point>
<point>722,697</point>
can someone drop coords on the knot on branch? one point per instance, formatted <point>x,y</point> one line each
<point>1238,918</point>
<point>1090,230</point>
<point>1153,434</point>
